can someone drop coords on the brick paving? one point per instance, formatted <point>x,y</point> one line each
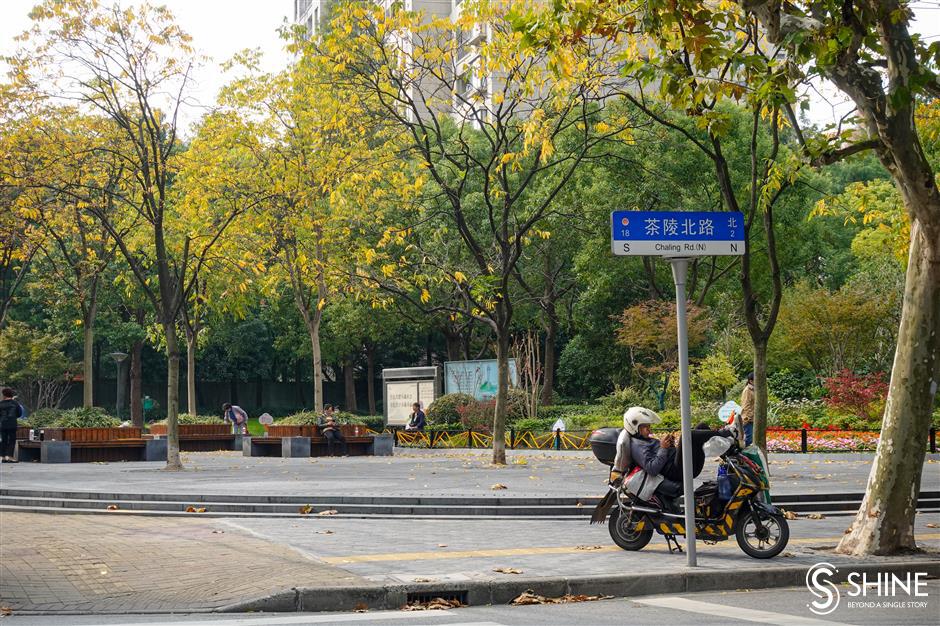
<point>101,564</point>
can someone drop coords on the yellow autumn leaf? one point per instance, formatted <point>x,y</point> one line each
<point>425,296</point>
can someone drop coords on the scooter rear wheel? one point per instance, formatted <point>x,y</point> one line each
<point>765,543</point>
<point>624,533</point>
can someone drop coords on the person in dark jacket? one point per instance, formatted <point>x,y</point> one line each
<point>417,419</point>
<point>10,411</point>
<point>330,430</point>
<point>662,457</point>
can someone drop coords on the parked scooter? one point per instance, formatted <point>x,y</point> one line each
<point>760,528</point>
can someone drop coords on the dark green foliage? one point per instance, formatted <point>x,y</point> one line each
<point>789,385</point>
<point>93,417</point>
<point>444,410</point>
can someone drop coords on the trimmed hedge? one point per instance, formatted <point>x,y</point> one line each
<point>92,417</point>
<point>312,418</point>
<point>186,418</point>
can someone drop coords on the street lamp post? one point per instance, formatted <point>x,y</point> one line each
<point>119,358</point>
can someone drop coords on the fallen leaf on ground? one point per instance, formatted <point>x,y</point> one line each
<point>324,532</point>
<point>360,608</point>
<point>507,570</point>
<point>529,597</point>
<point>218,532</point>
<point>816,516</point>
<point>192,509</point>
<point>589,547</point>
<point>790,515</point>
<point>437,604</point>
<point>305,509</point>
<point>498,486</point>
<point>329,512</point>
<point>442,545</point>
<point>112,507</point>
<point>5,610</point>
<point>846,531</point>
<point>932,525</point>
<point>788,555</point>
<point>422,580</point>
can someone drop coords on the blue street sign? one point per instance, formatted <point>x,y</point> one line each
<point>676,233</point>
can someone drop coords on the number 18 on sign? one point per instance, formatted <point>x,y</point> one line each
<point>677,233</point>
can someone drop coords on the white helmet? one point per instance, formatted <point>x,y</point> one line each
<point>637,415</point>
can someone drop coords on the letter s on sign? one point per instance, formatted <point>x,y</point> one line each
<point>626,247</point>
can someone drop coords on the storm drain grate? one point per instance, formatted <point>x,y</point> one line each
<point>451,595</point>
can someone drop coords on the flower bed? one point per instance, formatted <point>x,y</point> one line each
<point>822,440</point>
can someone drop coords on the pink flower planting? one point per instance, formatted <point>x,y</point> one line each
<point>822,441</point>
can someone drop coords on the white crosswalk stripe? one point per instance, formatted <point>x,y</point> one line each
<point>732,612</point>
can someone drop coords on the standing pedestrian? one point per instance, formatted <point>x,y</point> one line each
<point>747,409</point>
<point>330,430</point>
<point>10,411</point>
<point>237,415</point>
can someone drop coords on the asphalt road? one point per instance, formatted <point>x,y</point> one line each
<point>776,606</point>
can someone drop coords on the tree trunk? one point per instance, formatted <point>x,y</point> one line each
<point>88,378</point>
<point>313,328</point>
<point>760,394</point>
<point>349,383</point>
<point>454,343</point>
<point>370,378</point>
<point>548,368</point>
<point>502,394</point>
<point>136,391</point>
<point>173,461</point>
<point>885,521</point>
<point>191,371</point>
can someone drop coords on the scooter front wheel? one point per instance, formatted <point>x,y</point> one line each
<point>623,530</point>
<point>765,540</point>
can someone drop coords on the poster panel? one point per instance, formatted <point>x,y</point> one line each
<point>477,378</point>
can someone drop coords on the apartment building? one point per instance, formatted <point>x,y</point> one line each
<point>312,14</point>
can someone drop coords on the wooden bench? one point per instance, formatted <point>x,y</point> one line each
<point>358,442</point>
<point>88,445</point>
<point>200,437</point>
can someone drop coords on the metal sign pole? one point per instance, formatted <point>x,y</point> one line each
<point>679,270</point>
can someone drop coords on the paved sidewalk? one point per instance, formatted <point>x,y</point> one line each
<point>104,564</point>
<point>101,564</point>
<point>414,472</point>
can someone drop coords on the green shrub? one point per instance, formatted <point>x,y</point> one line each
<point>91,417</point>
<point>43,418</point>
<point>623,398</point>
<point>711,378</point>
<point>374,422</point>
<point>444,410</point>
<point>186,418</point>
<point>538,424</point>
<point>311,418</point>
<point>304,418</point>
<point>789,385</point>
<point>446,426</point>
